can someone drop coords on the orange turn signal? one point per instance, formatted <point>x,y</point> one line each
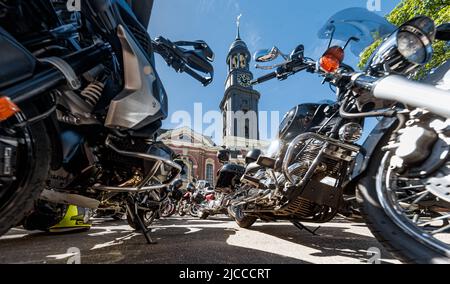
<point>7,108</point>
<point>332,59</point>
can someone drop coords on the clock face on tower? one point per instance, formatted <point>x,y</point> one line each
<point>244,80</point>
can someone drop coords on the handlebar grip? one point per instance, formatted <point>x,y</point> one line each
<point>265,78</point>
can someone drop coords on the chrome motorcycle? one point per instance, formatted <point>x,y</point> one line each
<point>81,105</point>
<point>400,175</point>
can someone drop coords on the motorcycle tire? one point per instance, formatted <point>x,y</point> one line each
<point>193,210</point>
<point>17,200</point>
<point>231,213</point>
<point>398,242</point>
<point>243,220</point>
<point>168,210</point>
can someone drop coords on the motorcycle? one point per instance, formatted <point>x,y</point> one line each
<point>81,105</point>
<point>186,205</point>
<point>218,199</point>
<point>169,205</point>
<point>399,175</point>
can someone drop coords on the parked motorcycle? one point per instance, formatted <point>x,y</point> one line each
<point>218,199</point>
<point>186,204</point>
<point>400,175</point>
<point>81,100</point>
<point>169,205</point>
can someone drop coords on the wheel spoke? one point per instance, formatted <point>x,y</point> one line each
<point>434,220</point>
<point>443,229</point>
<point>412,196</point>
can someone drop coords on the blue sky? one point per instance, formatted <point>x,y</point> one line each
<point>284,23</point>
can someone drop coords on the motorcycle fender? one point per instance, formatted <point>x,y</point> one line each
<point>363,158</point>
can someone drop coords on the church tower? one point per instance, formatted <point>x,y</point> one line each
<point>239,105</point>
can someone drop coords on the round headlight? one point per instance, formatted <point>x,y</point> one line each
<point>415,39</point>
<point>411,47</point>
<point>351,132</point>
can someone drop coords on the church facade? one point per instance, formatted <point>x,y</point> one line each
<point>198,152</point>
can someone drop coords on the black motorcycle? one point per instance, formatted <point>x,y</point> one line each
<point>169,205</point>
<point>217,200</point>
<point>81,105</point>
<point>400,175</point>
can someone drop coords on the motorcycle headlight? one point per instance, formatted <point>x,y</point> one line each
<point>413,46</point>
<point>407,49</point>
<point>351,132</point>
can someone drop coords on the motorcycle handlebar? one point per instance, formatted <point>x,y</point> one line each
<point>264,78</point>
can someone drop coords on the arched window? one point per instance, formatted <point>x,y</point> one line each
<point>209,174</point>
<point>243,61</point>
<point>234,62</point>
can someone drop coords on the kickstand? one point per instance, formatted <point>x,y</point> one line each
<point>302,227</point>
<point>140,223</point>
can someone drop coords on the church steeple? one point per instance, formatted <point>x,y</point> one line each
<point>238,24</point>
<point>239,56</point>
<point>240,98</point>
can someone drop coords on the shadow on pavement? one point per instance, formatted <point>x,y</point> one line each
<point>179,241</point>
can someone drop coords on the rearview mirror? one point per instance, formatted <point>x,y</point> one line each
<point>266,55</point>
<point>298,52</point>
<point>443,32</point>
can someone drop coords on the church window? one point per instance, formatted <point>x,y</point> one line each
<point>234,62</point>
<point>243,61</point>
<point>247,129</point>
<point>209,174</point>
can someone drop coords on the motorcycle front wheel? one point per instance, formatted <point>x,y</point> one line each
<point>169,208</point>
<point>243,220</point>
<point>24,184</point>
<point>193,210</point>
<point>409,233</point>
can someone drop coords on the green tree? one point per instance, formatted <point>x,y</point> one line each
<point>438,10</point>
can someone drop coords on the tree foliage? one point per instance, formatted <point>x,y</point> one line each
<point>438,10</point>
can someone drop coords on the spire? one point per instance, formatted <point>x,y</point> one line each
<point>238,23</point>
